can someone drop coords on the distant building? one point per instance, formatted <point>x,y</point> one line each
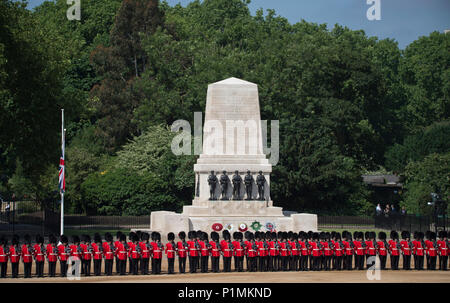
<point>385,189</point>
<point>447,31</point>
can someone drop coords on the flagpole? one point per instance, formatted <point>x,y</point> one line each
<point>61,190</point>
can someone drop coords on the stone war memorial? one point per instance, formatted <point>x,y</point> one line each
<point>232,173</point>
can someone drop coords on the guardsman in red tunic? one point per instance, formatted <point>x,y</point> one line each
<point>182,249</point>
<point>338,251</point>
<point>27,256</point>
<point>431,250</point>
<point>252,252</point>
<point>171,252</point>
<point>14,256</point>
<point>215,251</point>
<point>273,247</point>
<point>122,254</point>
<point>86,254</point>
<point>109,251</point>
<point>284,251</point>
<point>327,251</point>
<point>227,249</point>
<point>52,253</point>
<point>192,251</point>
<point>406,248</point>
<point>39,255</point>
<point>304,251</point>
<point>370,250</point>
<point>246,241</point>
<point>205,251</point>
<point>443,250</point>
<point>315,252</point>
<point>157,253</point>
<point>63,255</point>
<point>359,250</point>
<point>238,251</point>
<point>116,243</point>
<point>262,241</point>
<point>382,249</point>
<point>76,253</point>
<point>97,254</point>
<point>418,250</point>
<point>348,249</point>
<point>394,250</point>
<point>4,254</point>
<point>293,243</point>
<point>146,252</point>
<point>129,244</point>
<point>134,253</point>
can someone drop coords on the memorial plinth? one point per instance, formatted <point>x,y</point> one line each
<point>232,141</point>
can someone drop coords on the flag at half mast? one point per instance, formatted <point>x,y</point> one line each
<point>62,177</point>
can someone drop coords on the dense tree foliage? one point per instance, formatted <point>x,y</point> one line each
<point>347,103</point>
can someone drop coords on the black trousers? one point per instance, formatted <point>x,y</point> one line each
<point>239,263</point>
<point>227,264</point>
<point>86,267</point>
<point>117,265</point>
<point>406,262</point>
<point>204,263</point>
<point>63,268</point>
<point>394,262</point>
<point>109,266</point>
<point>97,267</point>
<point>348,262</point>
<point>3,269</point>
<point>15,269</point>
<point>52,269</point>
<point>316,263</point>
<point>418,262</point>
<point>182,265</point>
<point>215,264</point>
<point>252,263</point>
<point>284,262</point>
<point>337,264</point>
<point>271,262</point>
<point>122,267</point>
<point>293,264</point>
<point>432,263</point>
<point>383,260</point>
<point>170,265</point>
<point>144,266</point>
<point>303,263</point>
<point>156,266</point>
<point>193,264</point>
<point>27,269</point>
<point>134,266</point>
<point>359,262</point>
<point>40,269</point>
<point>443,262</point>
<point>327,262</point>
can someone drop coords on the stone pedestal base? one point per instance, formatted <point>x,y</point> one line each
<point>203,214</point>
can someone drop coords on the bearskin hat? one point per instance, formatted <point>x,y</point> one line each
<point>322,235</point>
<point>182,235</point>
<point>268,235</point>
<point>382,235</point>
<point>64,239</point>
<point>108,237</point>
<point>251,237</point>
<point>421,235</point>
<point>15,240</point>
<point>290,235</point>
<point>170,236</point>
<point>87,238</point>
<point>145,236</point>
<point>442,234</point>
<point>355,235</point>
<point>214,236</point>
<point>274,236</point>
<point>39,239</point>
<point>226,235</point>
<point>337,236</point>
<point>394,235</point>
<point>118,234</point>
<point>294,236</point>
<point>123,238</point>
<point>139,234</point>
<point>416,235</point>
<point>405,234</point>
<point>27,239</point>
<point>367,235</point>
<point>97,238</point>
<point>135,237</point>
<point>432,235</point>
<point>75,239</point>
<point>3,240</point>
<point>131,236</point>
<point>361,235</point>
<point>246,234</point>
<point>52,239</point>
<point>345,234</point>
<point>315,236</point>
<point>235,235</point>
<point>428,234</point>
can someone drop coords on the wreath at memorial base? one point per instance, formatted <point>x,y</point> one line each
<point>270,226</point>
<point>256,226</point>
<point>243,227</point>
<point>217,227</point>
<point>229,227</point>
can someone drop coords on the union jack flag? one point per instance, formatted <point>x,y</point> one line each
<point>62,177</point>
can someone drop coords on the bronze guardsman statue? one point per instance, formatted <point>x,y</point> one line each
<point>212,181</point>
<point>224,180</point>
<point>237,180</point>
<point>248,181</point>
<point>261,181</point>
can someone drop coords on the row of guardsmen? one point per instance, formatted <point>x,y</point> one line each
<point>263,251</point>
